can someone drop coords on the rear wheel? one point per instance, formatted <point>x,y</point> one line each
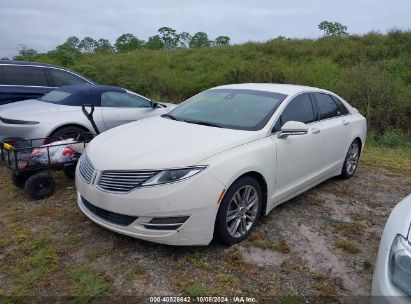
<point>69,132</point>
<point>40,185</point>
<point>239,211</point>
<point>351,160</point>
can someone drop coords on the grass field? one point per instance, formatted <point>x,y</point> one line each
<point>321,243</point>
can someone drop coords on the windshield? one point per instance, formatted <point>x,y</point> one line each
<point>229,108</point>
<point>55,96</point>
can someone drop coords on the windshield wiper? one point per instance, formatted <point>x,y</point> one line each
<point>170,117</point>
<point>203,123</point>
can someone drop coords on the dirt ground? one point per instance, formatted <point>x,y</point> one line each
<point>323,242</point>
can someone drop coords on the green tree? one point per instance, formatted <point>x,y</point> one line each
<point>88,45</point>
<point>154,43</point>
<point>169,37</point>
<point>128,42</point>
<point>26,54</point>
<point>222,41</point>
<point>333,28</point>
<point>67,52</point>
<point>199,40</point>
<point>104,46</point>
<point>184,39</point>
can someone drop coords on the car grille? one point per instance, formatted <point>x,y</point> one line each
<point>112,217</point>
<point>124,181</point>
<point>86,169</point>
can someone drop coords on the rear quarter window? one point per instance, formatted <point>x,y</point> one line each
<point>23,75</point>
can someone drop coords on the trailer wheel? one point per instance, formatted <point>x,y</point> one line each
<point>18,180</point>
<point>40,185</point>
<point>70,172</point>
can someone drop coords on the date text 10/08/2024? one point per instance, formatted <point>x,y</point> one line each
<point>204,299</point>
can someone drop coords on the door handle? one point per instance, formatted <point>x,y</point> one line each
<point>315,131</point>
<point>346,123</point>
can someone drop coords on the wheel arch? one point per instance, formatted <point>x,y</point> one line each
<point>263,183</point>
<point>68,125</point>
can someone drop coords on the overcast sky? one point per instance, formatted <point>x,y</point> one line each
<point>43,24</point>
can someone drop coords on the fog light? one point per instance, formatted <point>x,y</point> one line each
<point>166,223</point>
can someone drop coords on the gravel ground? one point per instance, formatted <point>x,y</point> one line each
<point>323,242</point>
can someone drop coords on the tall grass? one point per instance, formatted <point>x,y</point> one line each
<point>372,72</point>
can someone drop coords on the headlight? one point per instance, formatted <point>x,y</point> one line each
<point>173,175</point>
<point>400,264</point>
<point>18,122</point>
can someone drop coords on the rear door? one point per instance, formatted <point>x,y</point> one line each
<point>19,82</point>
<point>118,108</point>
<point>335,128</point>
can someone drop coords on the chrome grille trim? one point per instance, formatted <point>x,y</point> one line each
<point>124,181</point>
<point>86,169</point>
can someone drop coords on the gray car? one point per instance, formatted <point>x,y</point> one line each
<point>59,113</point>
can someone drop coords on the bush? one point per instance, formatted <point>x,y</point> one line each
<point>372,72</point>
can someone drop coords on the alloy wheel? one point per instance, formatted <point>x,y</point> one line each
<point>352,158</point>
<point>242,211</point>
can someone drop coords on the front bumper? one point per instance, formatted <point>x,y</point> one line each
<point>195,198</point>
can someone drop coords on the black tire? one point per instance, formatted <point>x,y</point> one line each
<point>18,180</point>
<point>347,170</point>
<point>221,232</point>
<point>69,132</point>
<point>40,185</point>
<point>70,172</point>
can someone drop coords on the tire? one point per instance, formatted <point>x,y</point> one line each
<point>351,160</point>
<point>18,180</point>
<point>238,212</point>
<point>70,172</point>
<point>40,185</point>
<point>69,132</point>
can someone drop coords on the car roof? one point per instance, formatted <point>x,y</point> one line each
<point>287,89</point>
<point>16,62</point>
<point>85,94</point>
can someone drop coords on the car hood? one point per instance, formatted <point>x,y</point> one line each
<point>31,109</point>
<point>161,143</point>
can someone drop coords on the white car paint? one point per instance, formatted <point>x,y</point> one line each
<point>159,143</point>
<point>51,117</point>
<point>399,223</point>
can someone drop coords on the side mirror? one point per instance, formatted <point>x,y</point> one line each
<point>293,128</point>
<point>154,104</point>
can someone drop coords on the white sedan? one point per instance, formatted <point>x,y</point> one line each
<point>392,275</point>
<point>218,161</point>
<point>59,113</point>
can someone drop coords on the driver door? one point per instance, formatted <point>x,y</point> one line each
<point>299,157</point>
<point>118,108</point>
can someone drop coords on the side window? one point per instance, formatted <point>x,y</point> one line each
<point>299,109</point>
<point>341,106</point>
<point>326,106</point>
<point>62,78</point>
<point>123,100</point>
<point>23,75</point>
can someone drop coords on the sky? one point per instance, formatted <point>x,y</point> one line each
<point>44,24</point>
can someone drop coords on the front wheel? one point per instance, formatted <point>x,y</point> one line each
<point>351,160</point>
<point>239,211</point>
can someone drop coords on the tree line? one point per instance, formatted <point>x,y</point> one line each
<point>167,38</point>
